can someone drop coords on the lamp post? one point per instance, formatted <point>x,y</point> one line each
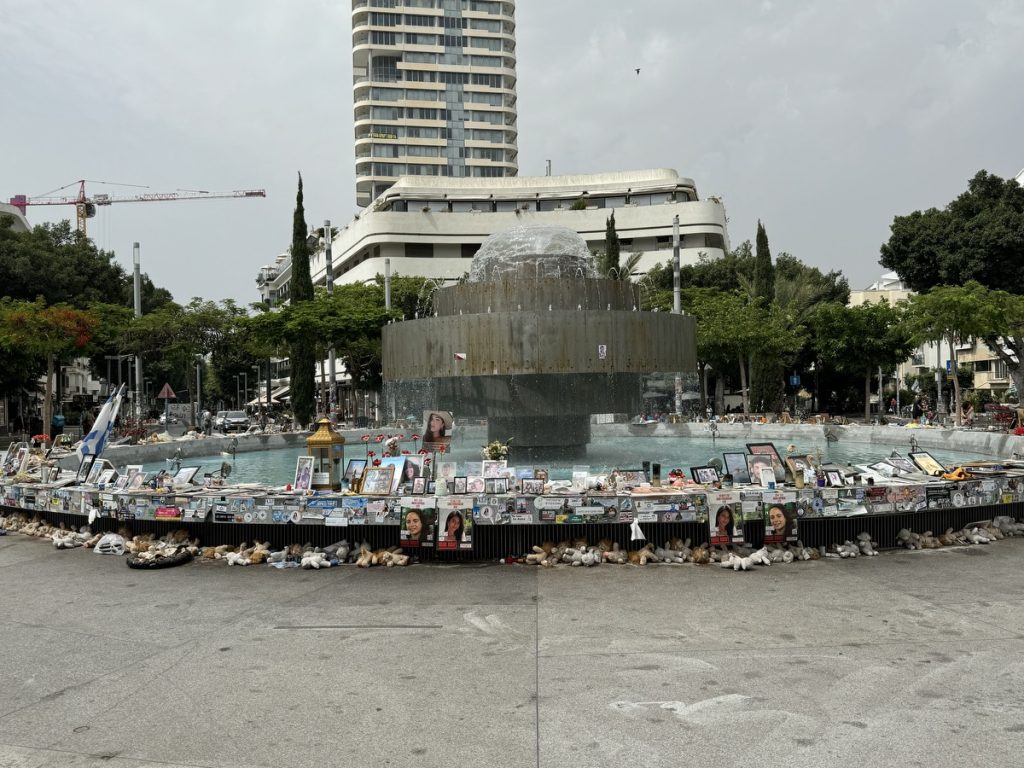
<point>237,389</point>
<point>332,391</point>
<point>245,389</point>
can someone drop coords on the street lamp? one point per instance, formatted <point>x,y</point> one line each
<point>245,389</point>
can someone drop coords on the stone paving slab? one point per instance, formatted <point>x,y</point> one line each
<point>904,659</point>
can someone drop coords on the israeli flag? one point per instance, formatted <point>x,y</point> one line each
<point>94,442</point>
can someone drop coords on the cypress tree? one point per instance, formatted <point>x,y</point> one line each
<point>764,271</point>
<point>303,351</point>
<point>611,248</point>
<point>766,389</point>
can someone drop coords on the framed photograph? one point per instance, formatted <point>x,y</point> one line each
<point>764,448</point>
<point>431,487</point>
<point>377,481</point>
<point>489,485</point>
<point>419,486</point>
<point>540,474</point>
<point>303,473</point>
<point>122,481</point>
<point>834,478</point>
<point>84,467</point>
<point>96,470</point>
<point>767,476</point>
<point>132,469</point>
<point>412,469</point>
<point>475,485</point>
<point>355,469</point>
<point>797,464</point>
<point>494,467</point>
<point>446,470</point>
<point>106,476</point>
<point>533,487</point>
<point>726,524</point>
<point>704,475</point>
<point>398,463</point>
<point>736,465</point>
<point>901,463</point>
<point>501,485</point>
<point>459,485</point>
<point>757,462</point>
<point>927,463</point>
<point>136,481</point>
<point>437,430</point>
<point>184,475</point>
<point>768,449</point>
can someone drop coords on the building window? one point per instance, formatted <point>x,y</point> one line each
<point>1001,371</point>
<point>419,250</point>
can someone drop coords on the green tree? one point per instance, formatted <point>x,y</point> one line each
<point>176,336</point>
<point>766,384</point>
<point>859,340</point>
<point>46,333</point>
<point>764,271</point>
<point>978,236</point>
<point>608,261</point>
<point>956,314</point>
<point>55,262</point>
<point>302,348</point>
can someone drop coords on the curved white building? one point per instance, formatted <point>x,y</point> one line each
<point>433,227</point>
<point>434,90</point>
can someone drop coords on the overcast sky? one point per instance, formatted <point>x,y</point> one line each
<point>823,120</point>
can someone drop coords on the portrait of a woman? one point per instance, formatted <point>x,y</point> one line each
<point>722,530</point>
<point>453,527</point>
<point>415,526</point>
<point>437,427</point>
<point>780,526</point>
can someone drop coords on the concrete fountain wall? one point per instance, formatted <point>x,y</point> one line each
<point>535,343</point>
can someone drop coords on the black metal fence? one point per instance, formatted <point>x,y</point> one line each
<point>498,541</point>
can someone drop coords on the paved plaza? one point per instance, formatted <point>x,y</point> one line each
<point>907,659</point>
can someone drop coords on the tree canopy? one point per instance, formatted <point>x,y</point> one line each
<point>978,236</point>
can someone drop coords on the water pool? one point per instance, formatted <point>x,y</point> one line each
<point>277,467</point>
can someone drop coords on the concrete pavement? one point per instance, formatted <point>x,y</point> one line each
<point>910,658</point>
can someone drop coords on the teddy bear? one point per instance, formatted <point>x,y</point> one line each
<point>237,558</point>
<point>908,539</point>
<point>866,545</point>
<point>700,555</point>
<point>642,556</point>
<point>666,555</point>
<point>615,554</point>
<point>314,559</point>
<point>364,558</point>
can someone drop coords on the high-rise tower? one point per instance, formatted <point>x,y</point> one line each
<point>434,90</point>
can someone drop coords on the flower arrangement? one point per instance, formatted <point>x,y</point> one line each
<point>496,450</point>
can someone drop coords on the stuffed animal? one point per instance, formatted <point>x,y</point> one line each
<point>866,545</point>
<point>908,539</point>
<point>237,558</point>
<point>700,555</point>
<point>616,555</point>
<point>313,559</point>
<point>642,556</point>
<point>365,556</point>
<point>666,555</point>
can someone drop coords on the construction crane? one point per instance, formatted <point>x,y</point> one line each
<point>85,205</point>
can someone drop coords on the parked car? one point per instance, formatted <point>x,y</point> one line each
<point>235,421</point>
<point>218,421</point>
<point>165,420</point>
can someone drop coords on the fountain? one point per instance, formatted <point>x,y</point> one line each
<point>535,342</point>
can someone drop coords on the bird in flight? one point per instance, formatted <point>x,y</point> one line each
<point>638,70</point>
